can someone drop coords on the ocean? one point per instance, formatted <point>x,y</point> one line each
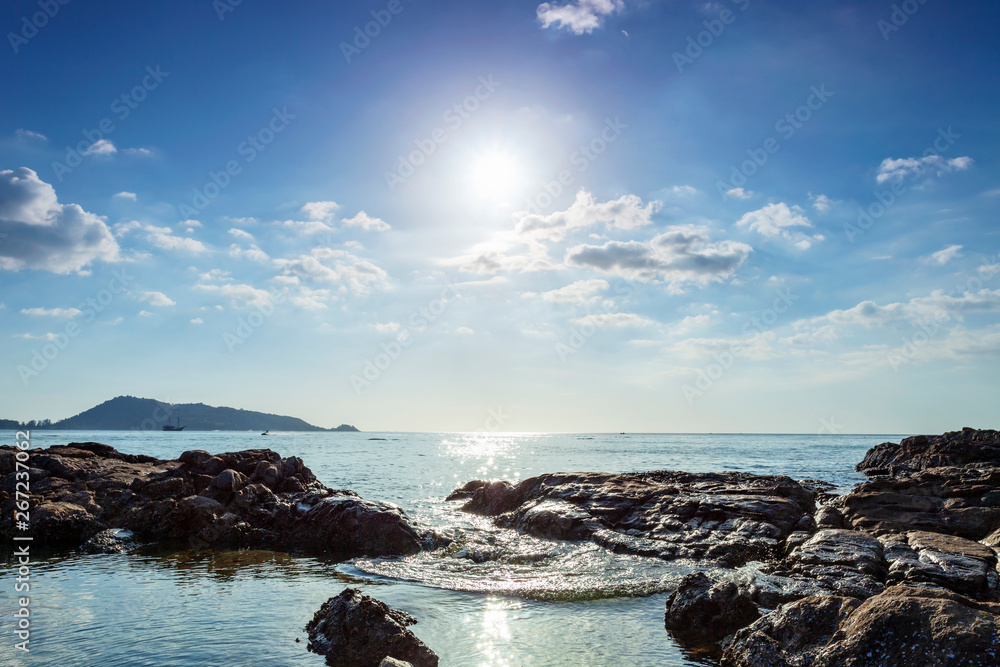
<point>541,603</point>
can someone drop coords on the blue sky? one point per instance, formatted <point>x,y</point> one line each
<point>596,215</point>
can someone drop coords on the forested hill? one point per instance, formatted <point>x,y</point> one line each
<point>128,413</point>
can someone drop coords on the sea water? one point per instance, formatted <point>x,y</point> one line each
<point>528,602</point>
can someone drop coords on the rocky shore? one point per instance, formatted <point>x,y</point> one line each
<point>902,570</point>
<point>92,496</point>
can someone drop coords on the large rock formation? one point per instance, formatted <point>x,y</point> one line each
<point>355,630</point>
<point>901,626</point>
<point>240,499</point>
<point>956,448</point>
<point>703,611</point>
<point>728,518</point>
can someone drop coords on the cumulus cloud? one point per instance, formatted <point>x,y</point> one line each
<point>739,193</point>
<point>365,221</point>
<point>160,237</point>
<point>36,232</point>
<point>780,220</point>
<point>627,212</point>
<point>942,257</point>
<point>320,210</point>
<point>578,16</point>
<point>131,196</point>
<point>51,312</point>
<point>682,255</point>
<point>330,265</point>
<point>897,170</point>
<point>241,234</point>
<point>197,320</point>
<point>241,295</point>
<point>101,147</point>
<point>307,226</point>
<point>157,299</point>
<point>253,253</point>
<point>939,306</point>
<point>577,293</point>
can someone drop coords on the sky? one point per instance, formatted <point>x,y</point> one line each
<point>593,215</point>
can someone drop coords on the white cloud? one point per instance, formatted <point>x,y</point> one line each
<point>897,170</point>
<point>157,299</point>
<point>579,16</point>
<point>145,313</point>
<point>320,210</point>
<point>682,190</point>
<point>577,293</point>
<point>197,320</point>
<point>942,257</point>
<point>938,306</point>
<point>126,195</point>
<point>821,203</point>
<point>365,221</point>
<point>307,226</point>
<point>39,233</point>
<point>779,220</point>
<point>191,223</point>
<point>739,193</point>
<point>627,212</point>
<point>241,296</point>
<point>253,253</point>
<point>28,134</point>
<point>51,312</point>
<point>144,152</point>
<point>161,237</point>
<point>242,235</point>
<point>681,255</point>
<point>613,320</point>
<point>464,331</point>
<point>312,299</point>
<point>354,274</point>
<point>100,147</point>
<point>387,328</point>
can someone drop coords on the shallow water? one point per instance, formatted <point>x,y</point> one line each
<point>494,599</point>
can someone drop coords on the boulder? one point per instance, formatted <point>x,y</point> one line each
<point>954,563</point>
<point>903,625</point>
<point>355,630</point>
<point>705,611</point>
<point>953,449</point>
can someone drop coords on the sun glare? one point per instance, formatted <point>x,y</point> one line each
<point>495,176</point>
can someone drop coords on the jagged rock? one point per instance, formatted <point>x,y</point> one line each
<point>901,626</point>
<point>842,562</point>
<point>111,541</point>
<point>931,559</point>
<point>253,498</point>
<point>956,448</point>
<point>704,611</point>
<point>392,662</point>
<point>355,630</point>
<point>730,518</point>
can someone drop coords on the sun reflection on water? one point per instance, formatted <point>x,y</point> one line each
<point>496,633</point>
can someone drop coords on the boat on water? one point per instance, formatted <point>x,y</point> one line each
<point>178,427</point>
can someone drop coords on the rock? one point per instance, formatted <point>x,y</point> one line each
<point>355,630</point>
<point>730,518</point>
<point>842,562</point>
<point>901,626</point>
<point>392,662</point>
<point>110,541</point>
<point>954,563</point>
<point>82,489</point>
<point>957,448</point>
<point>950,500</point>
<point>790,636</point>
<point>704,611</point>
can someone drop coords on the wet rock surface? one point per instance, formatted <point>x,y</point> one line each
<point>729,518</point>
<point>903,625</point>
<point>953,449</point>
<point>253,498</point>
<point>702,610</point>
<point>355,630</point>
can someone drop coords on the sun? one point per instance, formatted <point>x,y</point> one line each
<point>495,176</point>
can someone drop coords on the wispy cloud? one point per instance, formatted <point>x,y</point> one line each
<point>578,16</point>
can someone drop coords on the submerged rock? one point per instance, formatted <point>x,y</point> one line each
<point>355,630</point>
<point>704,611</point>
<point>253,498</point>
<point>729,518</point>
<point>901,626</point>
